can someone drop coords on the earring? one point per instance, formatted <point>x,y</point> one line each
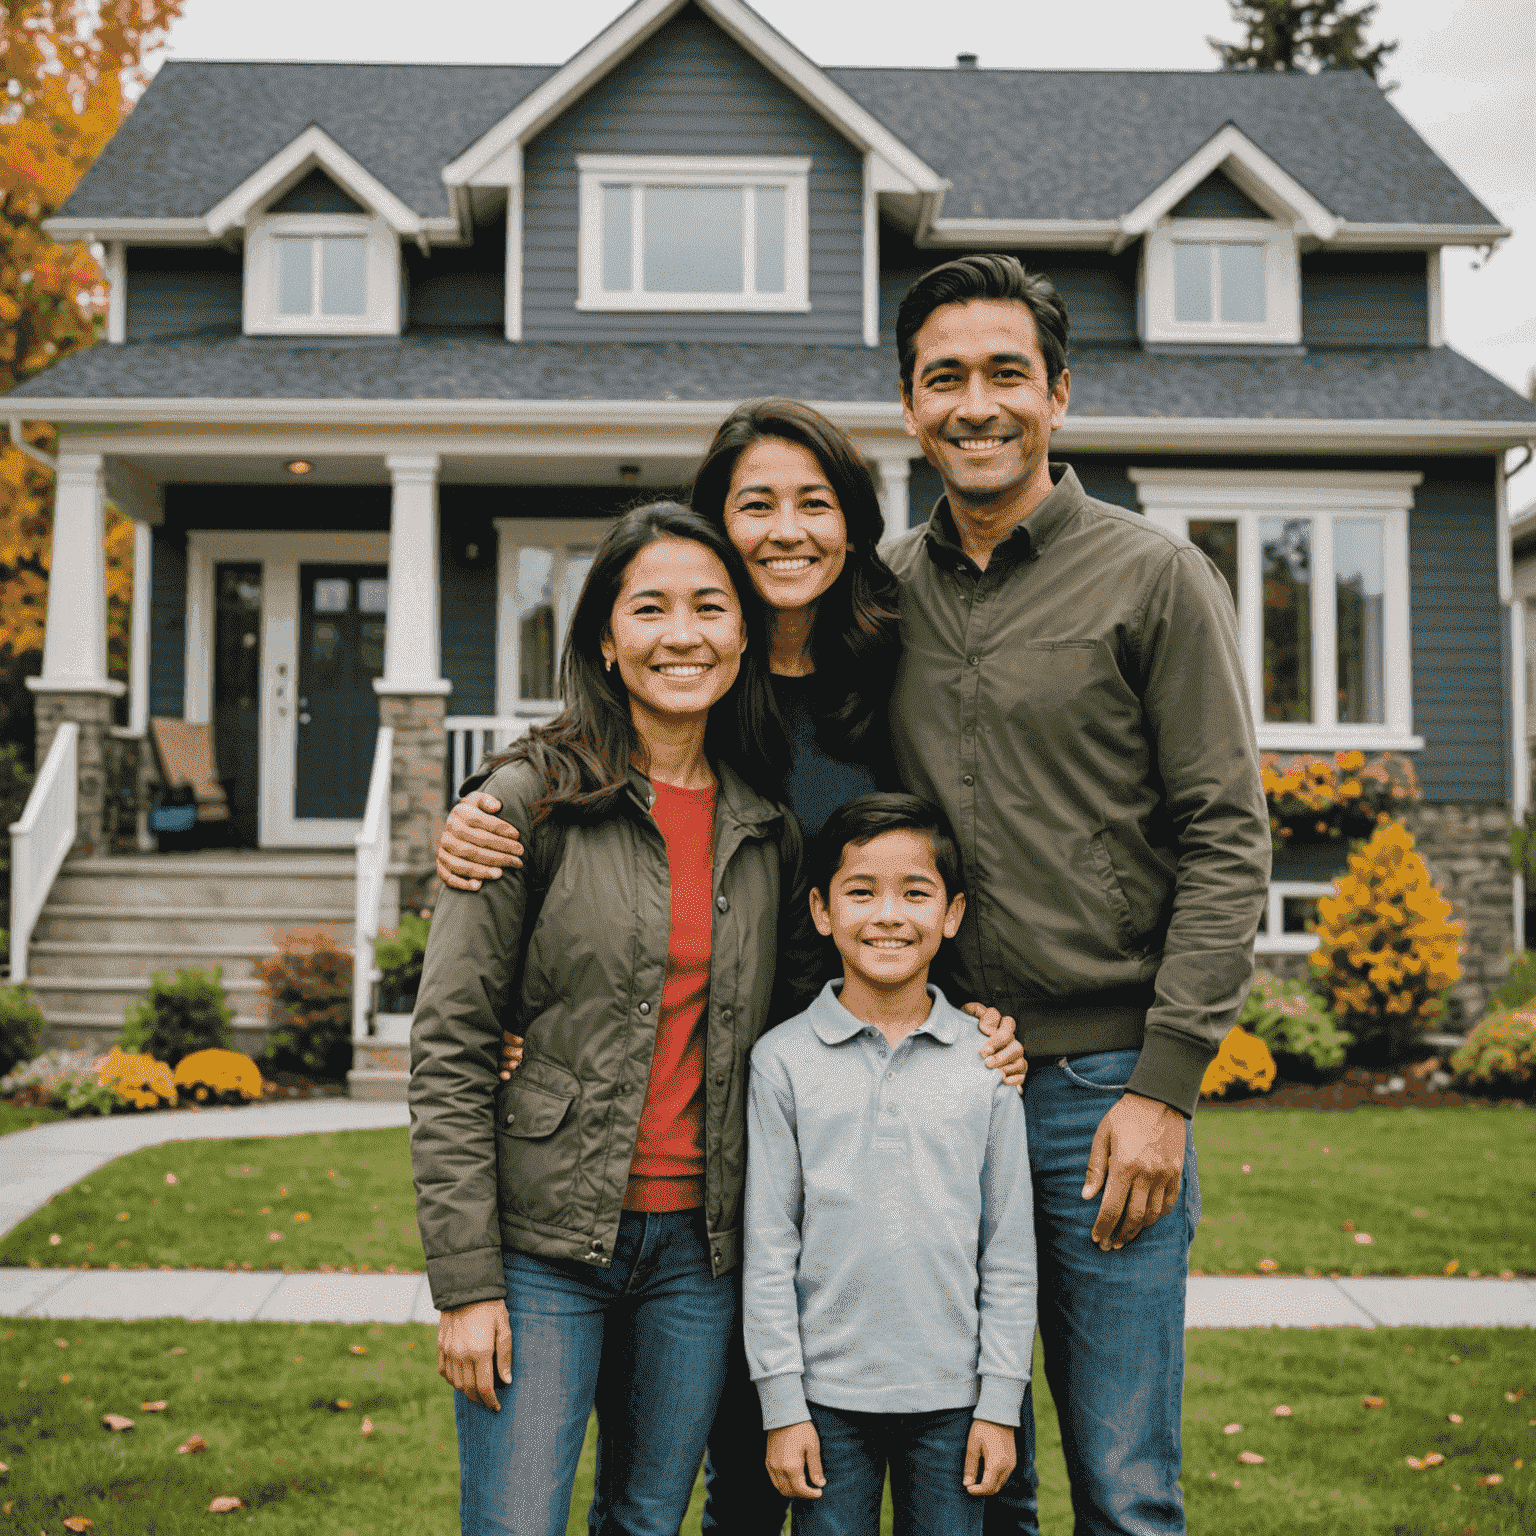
<point>608,665</point>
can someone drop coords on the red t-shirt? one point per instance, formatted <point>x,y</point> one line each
<point>667,1173</point>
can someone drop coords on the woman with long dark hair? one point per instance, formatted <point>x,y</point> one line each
<point>581,1221</point>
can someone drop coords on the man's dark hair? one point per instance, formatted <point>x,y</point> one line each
<point>991,276</point>
<point>861,821</point>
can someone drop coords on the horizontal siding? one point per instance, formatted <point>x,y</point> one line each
<point>691,91</point>
<point>1217,197</point>
<point>173,291</point>
<point>168,624</point>
<point>1364,299</point>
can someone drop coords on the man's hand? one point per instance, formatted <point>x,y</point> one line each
<point>989,1457</point>
<point>511,1054</point>
<point>794,1461</point>
<point>476,845</point>
<point>1140,1145</point>
<point>470,1342</point>
<point>1002,1053</point>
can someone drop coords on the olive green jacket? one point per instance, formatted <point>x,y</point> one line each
<point>540,1163</point>
<point>1079,710</point>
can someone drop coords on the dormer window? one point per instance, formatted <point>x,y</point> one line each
<point>321,274</point>
<point>1222,280</point>
<point>660,233</point>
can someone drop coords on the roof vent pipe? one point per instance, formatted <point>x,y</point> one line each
<point>965,61</point>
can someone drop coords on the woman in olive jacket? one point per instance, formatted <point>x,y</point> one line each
<point>580,1222</point>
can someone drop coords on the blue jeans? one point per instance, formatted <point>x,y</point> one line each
<point>1111,1324</point>
<point>644,1341</point>
<point>926,1455</point>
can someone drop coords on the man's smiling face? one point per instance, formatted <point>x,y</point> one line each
<point>979,404</point>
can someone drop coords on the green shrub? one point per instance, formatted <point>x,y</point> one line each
<point>61,1079</point>
<point>309,983</point>
<point>1500,1054</point>
<point>1520,985</point>
<point>22,1027</point>
<point>178,1017</point>
<point>398,954</point>
<point>1294,1022</point>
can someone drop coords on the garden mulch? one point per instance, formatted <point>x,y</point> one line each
<point>1358,1088</point>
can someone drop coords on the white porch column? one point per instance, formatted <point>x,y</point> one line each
<point>75,643</point>
<point>411,659</point>
<point>894,475</point>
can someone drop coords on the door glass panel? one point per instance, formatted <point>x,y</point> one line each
<point>1358,569</point>
<point>372,596</point>
<point>618,252</point>
<point>693,239</point>
<point>1191,282</point>
<point>1286,545</point>
<point>535,623</point>
<point>1242,283</point>
<point>770,239</point>
<point>1218,540</point>
<point>295,278</point>
<point>332,595</point>
<point>343,275</point>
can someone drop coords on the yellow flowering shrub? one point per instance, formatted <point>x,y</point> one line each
<point>1387,945</point>
<point>219,1077</point>
<point>138,1081</point>
<point>1244,1060</point>
<point>1334,799</point>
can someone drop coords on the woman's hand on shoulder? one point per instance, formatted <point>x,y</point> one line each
<point>511,1054</point>
<point>1002,1053</point>
<point>476,845</point>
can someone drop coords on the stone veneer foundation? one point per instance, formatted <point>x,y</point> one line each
<point>416,791</point>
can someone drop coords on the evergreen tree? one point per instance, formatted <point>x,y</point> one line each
<point>1302,35</point>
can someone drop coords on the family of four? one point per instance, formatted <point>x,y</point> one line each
<point>698,1139</point>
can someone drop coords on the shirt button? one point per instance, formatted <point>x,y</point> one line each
<point>975,661</point>
<point>890,1074</point>
<point>722,903</point>
<point>891,1110</point>
<point>967,780</point>
<point>727,1014</point>
<point>645,1007</point>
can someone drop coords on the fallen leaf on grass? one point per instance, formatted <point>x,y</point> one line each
<point>159,1407</point>
<point>274,1237</point>
<point>61,1343</point>
<point>343,1404</point>
<point>179,1350</point>
<point>1493,1479</point>
<point>1250,1458</point>
<point>1233,1429</point>
<point>1452,1267</point>
<point>1269,1266</point>
<point>116,1422</point>
<point>1434,1459</point>
<point>362,1349</point>
<point>122,1215</point>
<point>54,1239</point>
<point>1364,1239</point>
<point>1373,1402</point>
<point>196,1443</point>
<point>224,1503</point>
<point>1516,1395</point>
<point>367,1428</point>
<point>171,1178</point>
<point>1282,1412</point>
<point>1453,1418</point>
<point>1348,1226</point>
<point>78,1523</point>
<point>65,1379</point>
<point>1237,1482</point>
<point>1415,1463</point>
<point>301,1215</point>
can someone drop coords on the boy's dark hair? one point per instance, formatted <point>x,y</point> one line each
<point>992,276</point>
<point>861,821</point>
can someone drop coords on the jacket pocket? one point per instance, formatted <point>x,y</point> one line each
<point>537,1148</point>
<point>1114,894</point>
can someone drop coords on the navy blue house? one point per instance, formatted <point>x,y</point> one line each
<point>389,343</point>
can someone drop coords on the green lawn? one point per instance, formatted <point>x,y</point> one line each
<point>265,1398</point>
<point>1427,1187</point>
<point>13,1119</point>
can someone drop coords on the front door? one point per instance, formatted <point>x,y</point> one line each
<point>341,651</point>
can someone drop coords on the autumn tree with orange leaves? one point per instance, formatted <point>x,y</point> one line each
<point>71,71</point>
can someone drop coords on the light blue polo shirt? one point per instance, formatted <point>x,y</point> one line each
<point>890,1253</point>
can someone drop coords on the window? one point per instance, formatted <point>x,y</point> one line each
<point>322,274</point>
<point>1287,924</point>
<point>693,234</point>
<point>1222,280</point>
<point>1317,564</point>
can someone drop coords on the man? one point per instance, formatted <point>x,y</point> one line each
<point>1072,697</point>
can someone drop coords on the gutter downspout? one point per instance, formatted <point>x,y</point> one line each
<point>37,455</point>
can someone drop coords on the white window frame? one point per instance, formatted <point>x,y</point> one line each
<point>1282,282</point>
<point>1171,498</point>
<point>599,171</point>
<point>381,315</point>
<point>513,534</point>
<point>1276,941</point>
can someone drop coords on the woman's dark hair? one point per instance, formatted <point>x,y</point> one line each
<point>861,821</point>
<point>854,641</point>
<point>584,754</point>
<point>992,276</point>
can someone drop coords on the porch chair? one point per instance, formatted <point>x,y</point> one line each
<point>185,754</point>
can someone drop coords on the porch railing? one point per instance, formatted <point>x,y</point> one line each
<point>470,737</point>
<point>41,839</point>
<point>372,865</point>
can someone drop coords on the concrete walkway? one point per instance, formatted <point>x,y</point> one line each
<point>37,1164</point>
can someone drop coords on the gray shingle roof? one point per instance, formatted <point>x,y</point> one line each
<point>1092,144</point>
<point>1428,384</point>
<point>202,128</point>
<point>1067,144</point>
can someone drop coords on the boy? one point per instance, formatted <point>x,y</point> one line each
<point>890,1269</point>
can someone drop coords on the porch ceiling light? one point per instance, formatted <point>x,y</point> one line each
<point>629,474</point>
<point>298,466</point>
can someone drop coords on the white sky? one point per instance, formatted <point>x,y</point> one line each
<point>1467,73</point>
